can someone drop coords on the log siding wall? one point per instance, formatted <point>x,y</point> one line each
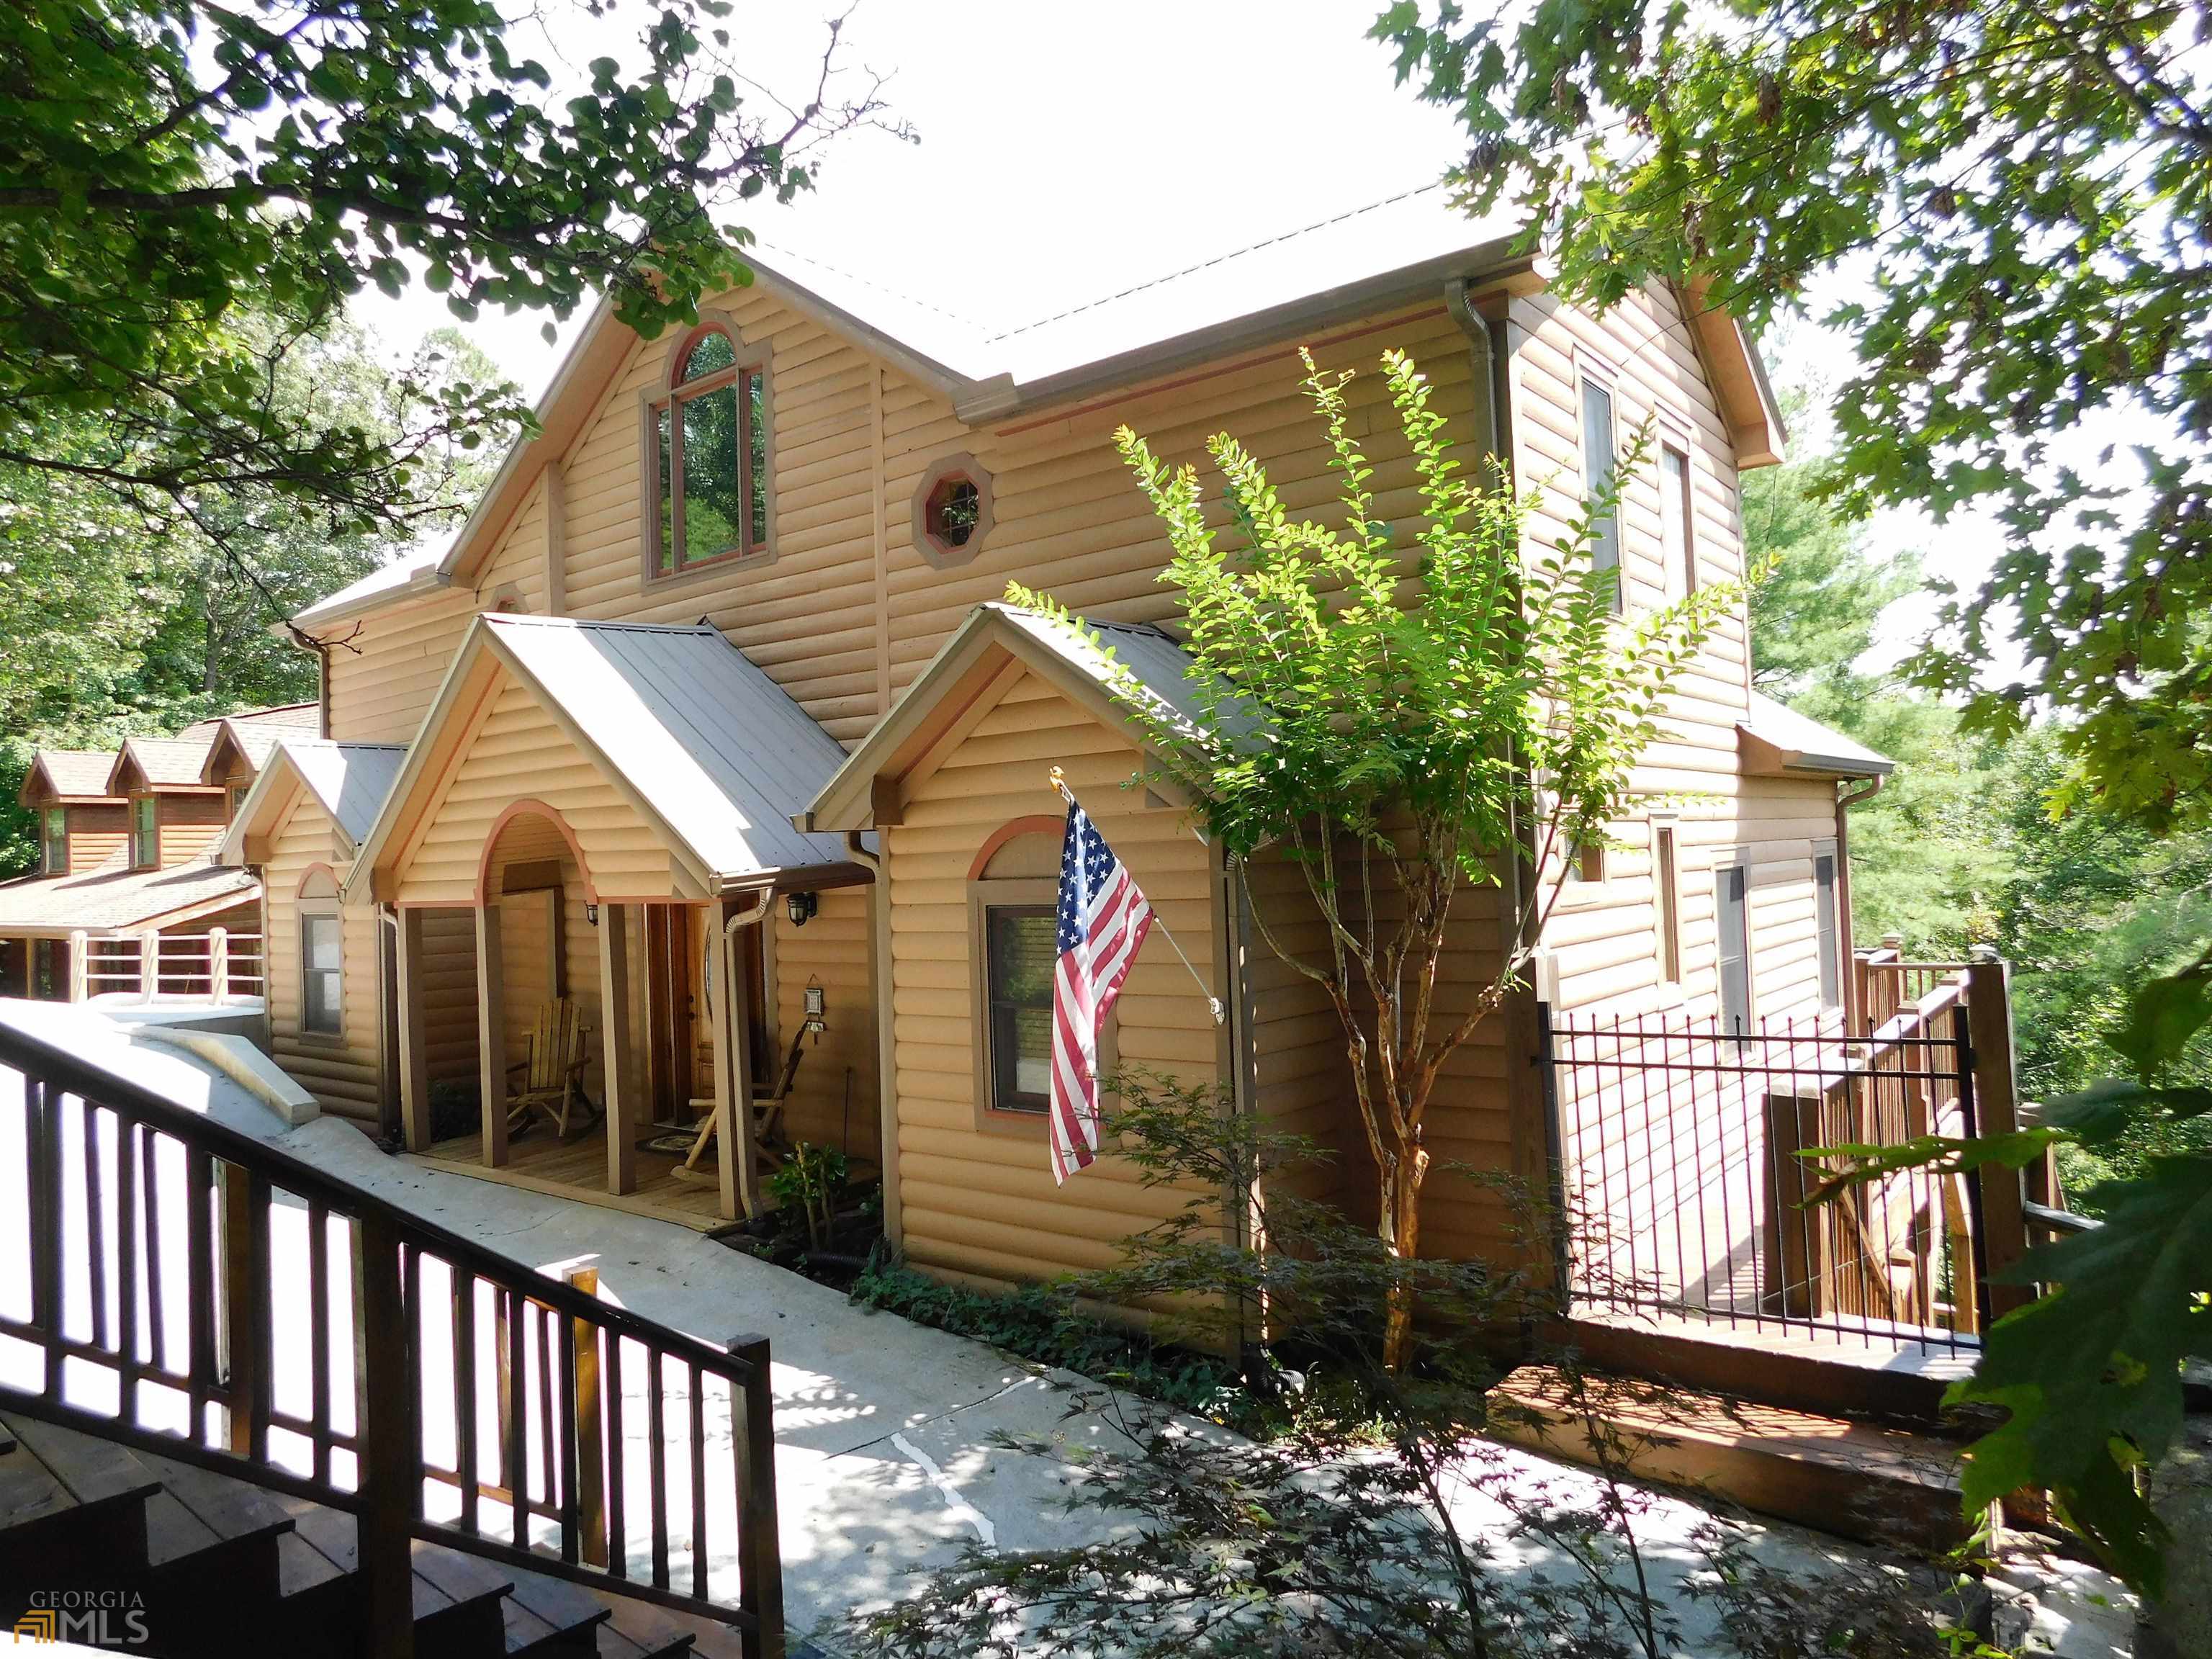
<point>848,612</point>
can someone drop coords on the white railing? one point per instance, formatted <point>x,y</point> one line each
<point>218,966</point>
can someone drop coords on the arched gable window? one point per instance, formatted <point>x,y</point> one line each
<point>707,489</point>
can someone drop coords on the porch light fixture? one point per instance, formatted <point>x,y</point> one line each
<point>592,914</point>
<point>800,908</point>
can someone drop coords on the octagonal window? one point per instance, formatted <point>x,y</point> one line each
<point>952,510</point>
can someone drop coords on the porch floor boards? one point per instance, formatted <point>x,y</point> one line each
<point>578,1169</point>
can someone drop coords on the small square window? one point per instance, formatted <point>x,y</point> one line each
<point>1023,946</point>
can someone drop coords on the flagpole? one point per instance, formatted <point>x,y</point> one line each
<point>1220,1014</point>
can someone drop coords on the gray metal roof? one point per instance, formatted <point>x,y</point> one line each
<point>706,740</point>
<point>350,779</point>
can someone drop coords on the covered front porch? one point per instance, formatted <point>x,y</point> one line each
<point>621,973</point>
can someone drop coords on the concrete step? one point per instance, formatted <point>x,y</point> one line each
<point>1856,1480</point>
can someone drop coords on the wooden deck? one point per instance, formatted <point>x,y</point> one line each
<point>578,1169</point>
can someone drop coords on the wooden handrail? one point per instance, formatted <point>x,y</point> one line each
<point>549,1347</point>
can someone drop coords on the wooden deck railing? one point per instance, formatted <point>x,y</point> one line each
<point>217,966</point>
<point>208,1298</point>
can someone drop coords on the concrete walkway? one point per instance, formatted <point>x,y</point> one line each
<point>882,1426</point>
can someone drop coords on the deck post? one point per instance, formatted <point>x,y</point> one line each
<point>80,967</point>
<point>149,965</point>
<point>414,1036</point>
<point>616,1048</point>
<point>491,1033</point>
<point>219,965</point>
<point>1997,1112</point>
<point>391,1468</point>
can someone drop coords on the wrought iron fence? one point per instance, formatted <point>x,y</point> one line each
<point>1683,1189</point>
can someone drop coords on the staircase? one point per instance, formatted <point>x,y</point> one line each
<point>210,1566</point>
<point>254,1409</point>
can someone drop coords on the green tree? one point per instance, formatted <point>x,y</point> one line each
<point>118,622</point>
<point>189,193</point>
<point>1388,748</point>
<point>2022,188</point>
<point>1930,855</point>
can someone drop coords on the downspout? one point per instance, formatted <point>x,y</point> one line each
<point>1490,349</point>
<point>879,977</point>
<point>1854,1015</point>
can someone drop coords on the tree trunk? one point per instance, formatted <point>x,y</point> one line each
<point>1401,1227</point>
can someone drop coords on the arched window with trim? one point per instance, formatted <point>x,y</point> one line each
<point>707,495</point>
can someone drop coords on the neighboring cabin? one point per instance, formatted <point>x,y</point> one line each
<point>708,722</point>
<point>125,853</point>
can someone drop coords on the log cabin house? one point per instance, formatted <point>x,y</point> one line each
<point>709,721</point>
<point>126,843</point>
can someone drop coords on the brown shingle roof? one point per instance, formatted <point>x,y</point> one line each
<point>170,761</point>
<point>115,897</point>
<point>73,772</point>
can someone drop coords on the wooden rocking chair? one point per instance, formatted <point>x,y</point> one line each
<point>767,1117</point>
<point>551,1081</point>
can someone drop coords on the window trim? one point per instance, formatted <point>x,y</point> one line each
<point>1829,932</point>
<point>1681,569</point>
<point>1666,899</point>
<point>666,395</point>
<point>308,907</point>
<point>1737,857</point>
<point>985,895</point>
<point>153,830</point>
<point>936,553</point>
<point>1593,375</point>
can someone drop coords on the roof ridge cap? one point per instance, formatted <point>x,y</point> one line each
<point>1166,277</point>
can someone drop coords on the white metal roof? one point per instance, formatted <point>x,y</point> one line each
<point>1803,744</point>
<point>704,740</point>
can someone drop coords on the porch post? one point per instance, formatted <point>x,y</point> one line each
<point>614,1047</point>
<point>219,964</point>
<point>414,1036</point>
<point>739,1163</point>
<point>491,1033</point>
<point>80,966</point>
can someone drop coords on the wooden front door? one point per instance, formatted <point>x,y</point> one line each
<point>671,1012</point>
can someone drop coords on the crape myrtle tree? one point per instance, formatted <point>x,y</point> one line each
<point>170,168</point>
<point>1401,748</point>
<point>2020,190</point>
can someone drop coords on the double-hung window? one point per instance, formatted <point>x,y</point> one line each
<point>53,835</point>
<point>322,973</point>
<point>1021,945</point>
<point>708,496</point>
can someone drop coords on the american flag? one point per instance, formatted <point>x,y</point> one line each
<point>1103,919</point>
